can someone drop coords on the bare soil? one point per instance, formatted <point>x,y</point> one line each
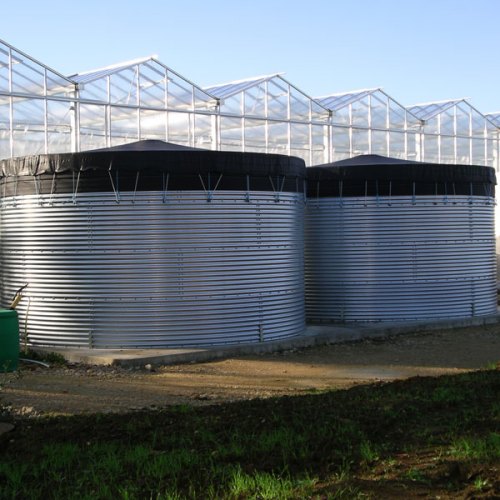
<point>82,389</point>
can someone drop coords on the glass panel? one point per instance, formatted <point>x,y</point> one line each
<point>231,133</point>
<point>379,143</point>
<point>277,100</point>
<point>255,101</point>
<point>431,126</point>
<point>318,113</point>
<point>431,150</point>
<point>463,119</point>
<point>463,150</point>
<point>123,125</point>
<point>299,141</point>
<point>278,138</point>
<point>397,145</point>
<point>378,112</point>
<point>28,126</point>
<point>319,145</point>
<point>360,112</point>
<point>27,77</point>
<point>152,86</point>
<point>123,86</point>
<point>202,101</point>
<point>153,124</point>
<point>360,142</point>
<point>447,122</point>
<point>4,127</point>
<point>299,106</point>
<point>4,68</point>
<point>447,150</point>
<point>204,131</point>
<point>340,143</point>
<point>179,130</point>
<point>492,159</point>
<point>58,86</point>
<point>478,152</point>
<point>179,93</point>
<point>233,105</point>
<point>255,135</point>
<point>478,124</point>
<point>60,116</point>
<point>92,127</point>
<point>397,118</point>
<point>341,116</point>
<point>414,146</point>
<point>95,91</point>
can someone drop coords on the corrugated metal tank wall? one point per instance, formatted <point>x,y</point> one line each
<point>156,268</point>
<point>385,257</point>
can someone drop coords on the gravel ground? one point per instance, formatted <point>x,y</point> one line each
<point>74,389</point>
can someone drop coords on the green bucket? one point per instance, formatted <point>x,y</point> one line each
<point>9,340</point>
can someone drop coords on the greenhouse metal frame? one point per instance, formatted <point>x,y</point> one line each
<point>43,111</point>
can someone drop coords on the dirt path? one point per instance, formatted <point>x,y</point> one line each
<point>84,389</point>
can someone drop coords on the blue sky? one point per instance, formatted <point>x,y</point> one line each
<point>417,51</point>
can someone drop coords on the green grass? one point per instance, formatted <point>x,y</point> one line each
<point>485,448</point>
<point>308,446</point>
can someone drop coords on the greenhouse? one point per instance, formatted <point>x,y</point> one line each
<point>370,122</point>
<point>455,132</point>
<point>270,115</point>
<point>44,112</point>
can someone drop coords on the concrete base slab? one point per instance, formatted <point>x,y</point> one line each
<point>313,335</point>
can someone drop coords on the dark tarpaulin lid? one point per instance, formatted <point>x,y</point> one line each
<point>158,156</point>
<point>382,168</point>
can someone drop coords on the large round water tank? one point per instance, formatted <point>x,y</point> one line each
<point>389,239</point>
<point>154,245</point>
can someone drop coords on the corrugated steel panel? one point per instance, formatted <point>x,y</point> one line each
<point>143,273</point>
<point>368,259</point>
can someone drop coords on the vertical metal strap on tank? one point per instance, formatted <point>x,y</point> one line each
<point>278,189</point>
<point>341,189</point>
<point>36,180</point>
<point>413,197</point>
<point>135,187</point>
<point>117,187</point>
<point>390,194</point>
<point>247,194</point>
<point>435,193</point>
<point>52,188</point>
<point>445,199</point>
<point>317,194</point>
<point>304,193</point>
<point>377,197</point>
<point>75,190</point>
<point>366,193</point>
<point>208,189</point>
<point>471,193</point>
<point>164,186</point>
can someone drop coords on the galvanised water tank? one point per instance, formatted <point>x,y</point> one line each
<point>388,239</point>
<point>154,245</point>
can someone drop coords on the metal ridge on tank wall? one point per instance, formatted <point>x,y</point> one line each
<point>426,252</point>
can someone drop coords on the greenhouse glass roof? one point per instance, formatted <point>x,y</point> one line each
<point>432,109</point>
<point>224,90</point>
<point>339,101</point>
<point>494,117</point>
<point>143,82</point>
<point>456,116</point>
<point>269,96</point>
<point>21,74</point>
